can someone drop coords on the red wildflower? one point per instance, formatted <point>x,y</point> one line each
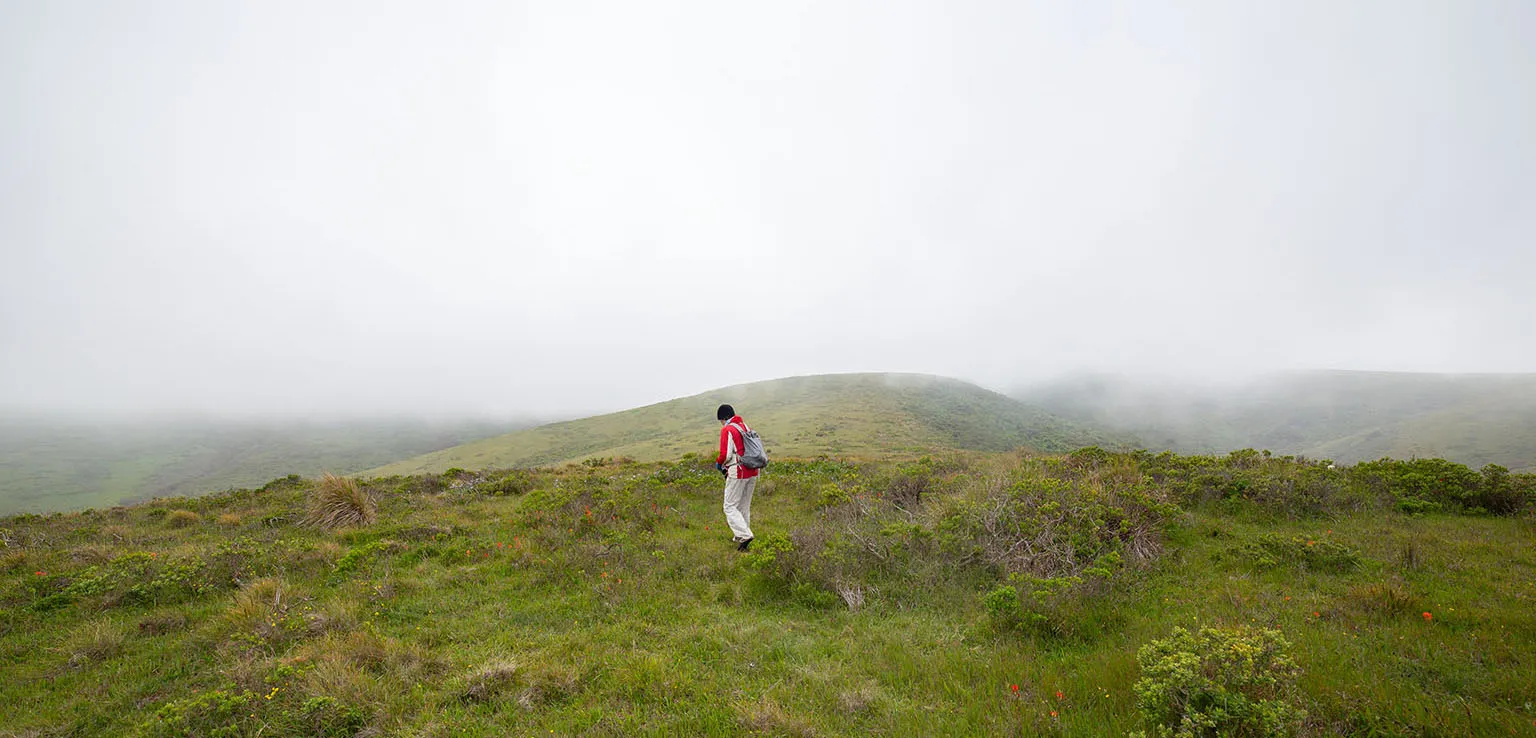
<point>42,574</point>
<point>1428,617</point>
<point>1058,694</point>
<point>1013,687</point>
<point>1317,614</point>
<point>1053,713</point>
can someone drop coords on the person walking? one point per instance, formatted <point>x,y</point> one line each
<point>740,479</point>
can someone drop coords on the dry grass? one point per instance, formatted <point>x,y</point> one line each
<point>95,641</point>
<point>859,700</point>
<point>260,613</point>
<point>548,683</point>
<point>492,681</point>
<point>766,716</point>
<point>162,622</point>
<point>340,501</point>
<point>13,561</point>
<point>92,553</point>
<point>229,520</point>
<point>118,533</point>
<point>182,518</point>
<point>333,676</point>
<point>852,594</point>
<point>1383,598</point>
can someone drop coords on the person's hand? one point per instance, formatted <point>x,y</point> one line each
<point>720,468</point>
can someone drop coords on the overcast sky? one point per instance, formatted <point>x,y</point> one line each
<point>567,206</point>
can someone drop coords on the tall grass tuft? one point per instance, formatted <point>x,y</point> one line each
<point>96,641</point>
<point>182,518</point>
<point>338,502</point>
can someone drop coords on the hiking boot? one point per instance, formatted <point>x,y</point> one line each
<point>744,544</point>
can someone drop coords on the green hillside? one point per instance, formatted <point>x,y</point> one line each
<point>1345,416</point>
<point>49,464</point>
<point>841,414</point>
<point>966,594</point>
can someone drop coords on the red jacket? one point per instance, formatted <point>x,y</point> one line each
<point>731,446</point>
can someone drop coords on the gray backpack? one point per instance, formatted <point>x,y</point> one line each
<point>752,454</point>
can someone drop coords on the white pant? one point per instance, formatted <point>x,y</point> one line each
<point>738,506</point>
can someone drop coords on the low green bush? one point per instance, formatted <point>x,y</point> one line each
<point>1218,682</point>
<point>1269,551</point>
<point>215,714</point>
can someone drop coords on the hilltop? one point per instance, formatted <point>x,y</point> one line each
<point>838,414</point>
<point>1342,415</point>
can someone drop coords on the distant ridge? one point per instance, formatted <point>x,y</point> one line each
<point>1347,416</point>
<point>843,414</point>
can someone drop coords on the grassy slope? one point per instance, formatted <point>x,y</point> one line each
<point>1346,416</point>
<point>50,465</point>
<point>844,414</point>
<point>644,623</point>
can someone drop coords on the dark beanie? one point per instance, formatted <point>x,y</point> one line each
<point>726,412</point>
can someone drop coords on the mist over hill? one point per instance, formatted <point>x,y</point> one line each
<point>842,414</point>
<point>50,463</point>
<point>1347,416</point>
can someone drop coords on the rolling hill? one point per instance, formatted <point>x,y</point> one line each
<point>1340,415</point>
<point>49,464</point>
<point>843,414</point>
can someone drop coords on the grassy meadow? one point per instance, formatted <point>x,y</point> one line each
<point>959,594</point>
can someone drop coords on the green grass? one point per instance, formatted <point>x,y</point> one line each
<point>48,465</point>
<point>855,415</point>
<point>606,600</point>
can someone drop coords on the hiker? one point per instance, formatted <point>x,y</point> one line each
<point>740,479</point>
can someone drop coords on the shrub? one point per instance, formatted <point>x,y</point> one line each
<point>229,520</point>
<point>1421,485</point>
<point>1219,681</point>
<point>1501,493</point>
<point>182,518</point>
<point>1292,486</point>
<point>832,496</point>
<point>212,713</point>
<point>910,485</point>
<point>340,501</point>
<point>1046,527</point>
<point>514,483</point>
<point>1316,554</point>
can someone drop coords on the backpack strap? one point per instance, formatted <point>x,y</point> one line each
<point>741,430</point>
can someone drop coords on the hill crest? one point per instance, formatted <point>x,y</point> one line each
<point>845,414</point>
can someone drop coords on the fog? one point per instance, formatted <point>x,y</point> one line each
<point>562,207</point>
